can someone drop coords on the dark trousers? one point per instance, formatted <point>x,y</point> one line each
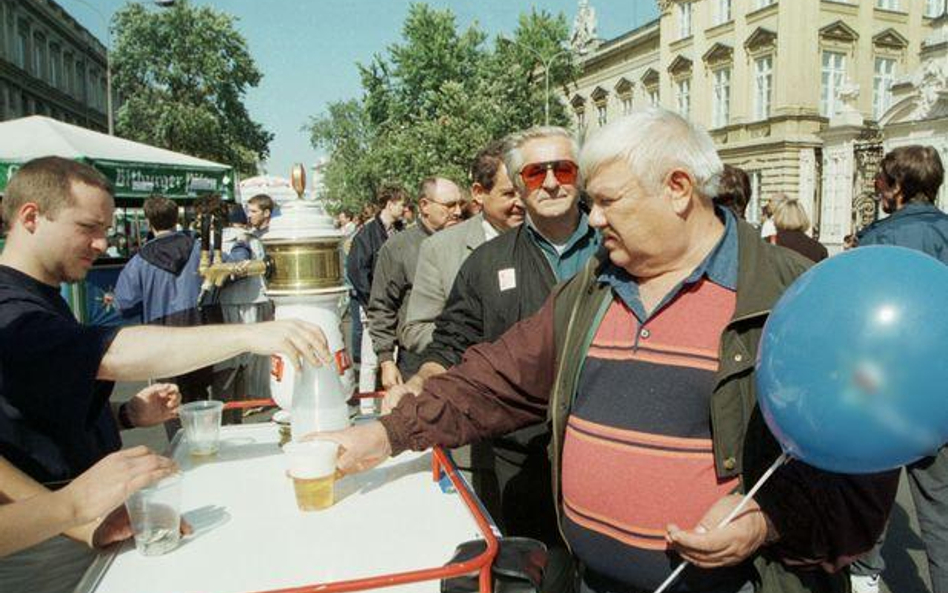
<point>928,481</point>
<point>512,477</point>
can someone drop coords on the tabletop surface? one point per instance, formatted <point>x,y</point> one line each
<point>250,536</point>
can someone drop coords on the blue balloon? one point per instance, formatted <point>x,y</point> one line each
<point>851,370</point>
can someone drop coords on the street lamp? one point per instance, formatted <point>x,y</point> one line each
<point>547,64</point>
<point>108,55</point>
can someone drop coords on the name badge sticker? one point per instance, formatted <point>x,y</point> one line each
<point>507,278</point>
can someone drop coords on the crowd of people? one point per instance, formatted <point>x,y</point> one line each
<point>584,318</point>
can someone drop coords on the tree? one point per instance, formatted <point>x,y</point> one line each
<point>183,73</point>
<point>433,100</point>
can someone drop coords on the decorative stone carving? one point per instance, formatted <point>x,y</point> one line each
<point>839,31</point>
<point>930,81</point>
<point>680,66</point>
<point>890,38</point>
<point>584,35</point>
<point>719,53</point>
<point>848,113</point>
<point>761,39</point>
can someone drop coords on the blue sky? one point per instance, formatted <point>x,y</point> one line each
<point>307,49</point>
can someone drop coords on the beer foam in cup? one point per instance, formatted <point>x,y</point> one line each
<point>311,459</point>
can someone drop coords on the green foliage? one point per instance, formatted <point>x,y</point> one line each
<point>433,100</point>
<point>183,72</point>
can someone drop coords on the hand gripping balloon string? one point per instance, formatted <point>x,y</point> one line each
<point>737,510</point>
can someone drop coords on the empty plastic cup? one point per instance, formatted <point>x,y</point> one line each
<point>202,426</point>
<point>312,466</point>
<point>155,515</point>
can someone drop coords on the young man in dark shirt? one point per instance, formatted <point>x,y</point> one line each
<point>56,375</point>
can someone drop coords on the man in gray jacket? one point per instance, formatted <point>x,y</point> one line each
<point>441,255</point>
<point>439,204</point>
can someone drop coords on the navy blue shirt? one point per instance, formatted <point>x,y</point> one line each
<point>55,418</point>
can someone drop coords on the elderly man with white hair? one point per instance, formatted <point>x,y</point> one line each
<point>643,363</point>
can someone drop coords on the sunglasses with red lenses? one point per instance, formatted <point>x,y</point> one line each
<point>534,174</point>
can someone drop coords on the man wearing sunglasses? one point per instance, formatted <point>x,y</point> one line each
<point>643,366</point>
<point>503,281</point>
<point>439,205</point>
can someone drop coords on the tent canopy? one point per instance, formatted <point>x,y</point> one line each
<point>136,170</point>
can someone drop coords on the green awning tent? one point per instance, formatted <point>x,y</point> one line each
<point>136,170</point>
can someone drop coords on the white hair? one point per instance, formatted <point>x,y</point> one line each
<point>513,156</point>
<point>653,142</point>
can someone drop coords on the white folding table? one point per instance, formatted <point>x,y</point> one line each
<point>392,525</point>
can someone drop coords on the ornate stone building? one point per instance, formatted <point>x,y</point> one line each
<point>50,65</point>
<point>765,77</point>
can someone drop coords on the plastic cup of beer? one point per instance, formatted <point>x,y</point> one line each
<point>202,426</point>
<point>312,466</point>
<point>155,516</point>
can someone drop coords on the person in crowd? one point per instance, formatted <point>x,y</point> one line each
<point>56,375</point>
<point>441,255</point>
<point>643,365</point>
<point>907,186</point>
<point>792,225</point>
<point>439,207</point>
<point>503,281</point>
<point>408,215</point>
<point>471,208</point>
<point>346,223</point>
<point>242,300</point>
<point>94,494</point>
<point>768,231</point>
<point>734,190</point>
<point>260,209</point>
<point>160,286</point>
<point>360,269</point>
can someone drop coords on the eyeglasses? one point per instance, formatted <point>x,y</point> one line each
<point>456,204</point>
<point>534,174</point>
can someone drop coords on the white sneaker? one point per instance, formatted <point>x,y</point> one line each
<point>864,583</point>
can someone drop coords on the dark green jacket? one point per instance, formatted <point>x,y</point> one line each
<point>824,520</point>
<point>743,446</point>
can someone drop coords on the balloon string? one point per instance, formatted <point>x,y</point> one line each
<point>740,507</point>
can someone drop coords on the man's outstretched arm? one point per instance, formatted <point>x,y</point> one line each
<point>144,352</point>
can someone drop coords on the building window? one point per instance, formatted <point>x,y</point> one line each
<point>683,97</point>
<point>722,97</point>
<point>888,4</point>
<point>69,81</point>
<point>602,116</point>
<point>934,8</point>
<point>39,57</point>
<point>764,3</point>
<point>22,45</point>
<point>626,104</point>
<point>80,89</point>
<point>55,66</point>
<point>581,118</point>
<point>834,73</point>
<point>763,85</point>
<point>882,86</point>
<point>653,97</point>
<point>722,13</point>
<point>684,20</point>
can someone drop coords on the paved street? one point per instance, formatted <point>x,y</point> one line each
<point>906,570</point>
